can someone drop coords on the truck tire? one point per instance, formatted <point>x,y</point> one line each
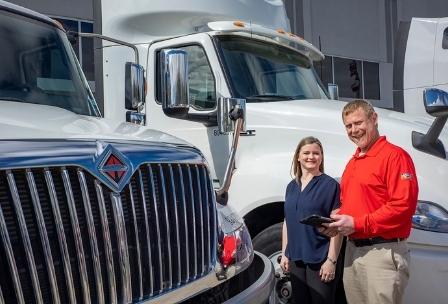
<point>269,241</point>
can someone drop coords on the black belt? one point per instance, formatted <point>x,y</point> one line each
<point>374,240</point>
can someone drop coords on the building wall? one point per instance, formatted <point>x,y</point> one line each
<point>360,30</point>
<point>79,9</point>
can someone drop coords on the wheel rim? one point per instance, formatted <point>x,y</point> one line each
<point>282,290</point>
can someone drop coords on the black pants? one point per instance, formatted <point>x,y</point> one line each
<point>308,288</point>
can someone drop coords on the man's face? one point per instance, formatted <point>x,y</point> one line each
<point>361,130</point>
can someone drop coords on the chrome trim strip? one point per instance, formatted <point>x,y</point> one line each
<point>92,236</point>
<point>260,290</point>
<point>148,237</point>
<point>176,220</point>
<point>123,252</point>
<point>2,301</point>
<point>184,203</point>
<point>137,244</point>
<point>209,238</point>
<point>193,216</point>
<point>156,216</point>
<point>25,237</point>
<point>214,224</point>
<point>61,236</point>
<point>77,235</point>
<point>11,259</point>
<point>168,231</point>
<point>43,235</point>
<point>107,243</point>
<point>201,216</point>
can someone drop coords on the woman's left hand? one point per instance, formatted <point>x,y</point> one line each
<point>327,271</point>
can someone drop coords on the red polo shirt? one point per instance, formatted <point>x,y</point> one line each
<point>379,189</point>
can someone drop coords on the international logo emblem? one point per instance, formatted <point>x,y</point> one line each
<point>115,167</point>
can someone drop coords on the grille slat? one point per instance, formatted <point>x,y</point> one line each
<point>43,235</point>
<point>147,234</point>
<point>123,252</point>
<point>137,244</point>
<point>11,260</point>
<point>115,247</point>
<point>77,236</point>
<point>193,216</point>
<point>107,243</point>
<point>92,237</point>
<point>198,185</point>
<point>158,232</point>
<point>207,219</point>
<point>61,236</point>
<point>176,221</point>
<point>25,237</point>
<point>168,228</point>
<point>184,205</point>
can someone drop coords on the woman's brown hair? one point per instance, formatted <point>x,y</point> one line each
<point>296,170</point>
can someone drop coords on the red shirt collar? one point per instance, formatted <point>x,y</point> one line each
<point>374,149</point>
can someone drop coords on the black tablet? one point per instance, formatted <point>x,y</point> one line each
<point>316,220</point>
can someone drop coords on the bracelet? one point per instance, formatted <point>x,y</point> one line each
<point>332,261</point>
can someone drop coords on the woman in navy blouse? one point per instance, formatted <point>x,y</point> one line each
<point>308,255</point>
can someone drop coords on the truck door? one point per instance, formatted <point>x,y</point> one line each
<point>206,85</point>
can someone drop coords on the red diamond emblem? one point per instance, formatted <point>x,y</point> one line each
<point>114,168</point>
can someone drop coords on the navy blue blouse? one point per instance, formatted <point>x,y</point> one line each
<point>320,196</point>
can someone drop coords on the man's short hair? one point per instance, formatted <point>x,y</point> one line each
<point>354,105</point>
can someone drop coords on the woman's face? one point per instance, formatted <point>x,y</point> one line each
<point>310,157</point>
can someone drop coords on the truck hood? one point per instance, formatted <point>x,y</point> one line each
<point>32,121</point>
<point>278,126</point>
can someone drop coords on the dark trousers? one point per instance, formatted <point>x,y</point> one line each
<point>308,288</point>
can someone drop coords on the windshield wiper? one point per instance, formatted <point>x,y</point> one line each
<point>271,97</point>
<point>14,99</point>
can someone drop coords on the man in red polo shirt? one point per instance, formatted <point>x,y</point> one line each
<point>378,198</point>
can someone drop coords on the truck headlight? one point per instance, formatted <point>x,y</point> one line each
<point>235,251</point>
<point>430,216</point>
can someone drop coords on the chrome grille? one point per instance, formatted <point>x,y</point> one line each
<point>67,238</point>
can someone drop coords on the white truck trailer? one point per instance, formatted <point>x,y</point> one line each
<point>197,53</point>
<point>101,211</point>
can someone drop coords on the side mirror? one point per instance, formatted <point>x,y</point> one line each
<point>134,86</point>
<point>333,90</point>
<point>174,81</point>
<point>229,110</point>
<point>435,102</point>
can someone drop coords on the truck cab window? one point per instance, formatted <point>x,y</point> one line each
<point>39,66</point>
<point>201,80</point>
<point>263,72</point>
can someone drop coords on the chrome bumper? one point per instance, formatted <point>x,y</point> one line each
<point>260,290</point>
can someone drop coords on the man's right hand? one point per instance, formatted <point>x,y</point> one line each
<point>328,231</point>
<point>284,263</point>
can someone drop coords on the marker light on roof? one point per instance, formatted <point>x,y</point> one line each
<point>239,23</point>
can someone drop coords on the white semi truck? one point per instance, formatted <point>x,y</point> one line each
<point>101,211</point>
<point>199,55</point>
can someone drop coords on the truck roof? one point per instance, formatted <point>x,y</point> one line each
<point>20,10</point>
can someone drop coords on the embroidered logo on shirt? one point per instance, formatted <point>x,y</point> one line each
<point>406,176</point>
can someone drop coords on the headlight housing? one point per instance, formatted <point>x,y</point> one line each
<point>235,251</point>
<point>430,216</point>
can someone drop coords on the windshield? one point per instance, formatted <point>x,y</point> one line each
<point>261,71</point>
<point>38,66</point>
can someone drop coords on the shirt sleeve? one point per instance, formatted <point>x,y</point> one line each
<point>402,189</point>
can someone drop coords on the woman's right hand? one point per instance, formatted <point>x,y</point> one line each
<point>284,263</point>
